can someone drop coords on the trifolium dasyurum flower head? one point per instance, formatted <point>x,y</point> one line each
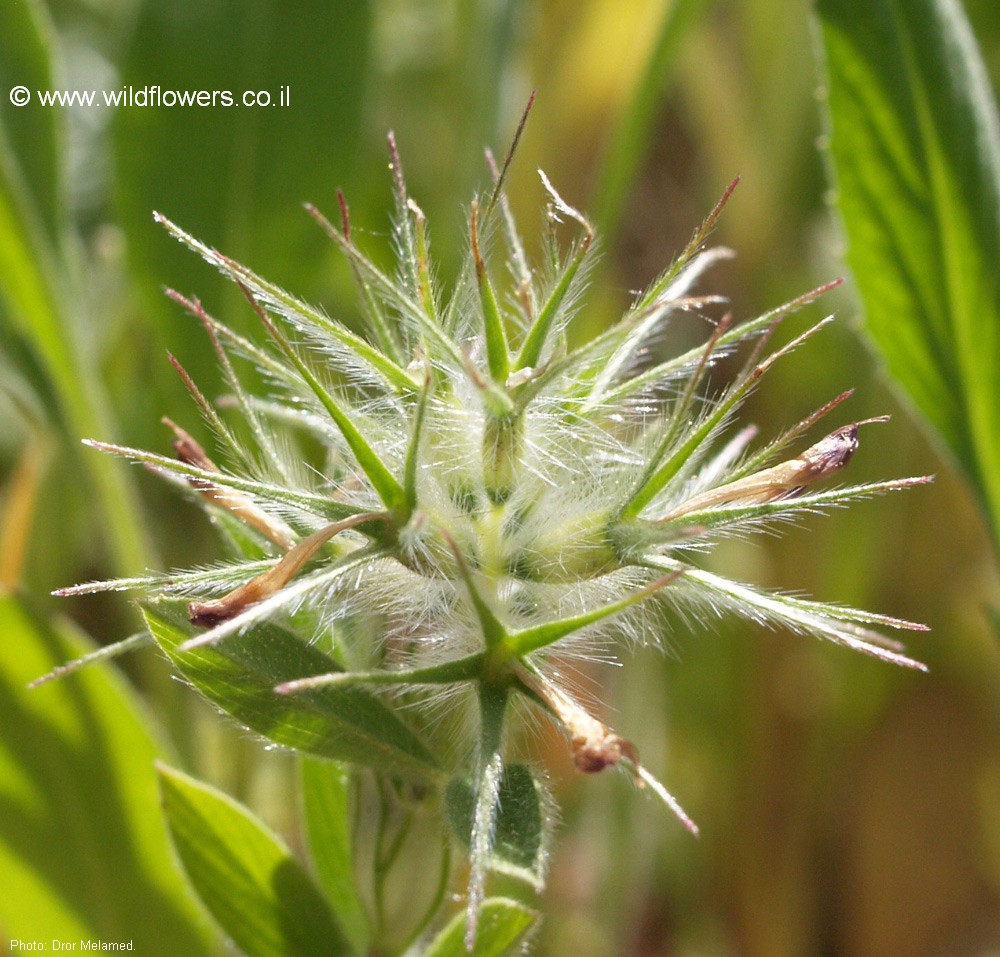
<point>488,505</point>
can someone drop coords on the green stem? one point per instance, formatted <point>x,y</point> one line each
<point>380,873</point>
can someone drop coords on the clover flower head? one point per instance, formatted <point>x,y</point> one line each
<point>489,503</point>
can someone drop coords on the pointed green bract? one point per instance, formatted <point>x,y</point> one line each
<point>386,485</point>
<point>497,350</point>
<point>533,639</point>
<point>295,498</point>
<point>538,334</point>
<point>658,478</point>
<point>412,462</point>
<point>289,306</point>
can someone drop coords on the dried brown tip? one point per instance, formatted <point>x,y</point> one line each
<point>345,214</point>
<point>594,745</point>
<point>595,752</point>
<point>501,175</point>
<point>207,614</point>
<point>820,461</point>
<point>190,452</point>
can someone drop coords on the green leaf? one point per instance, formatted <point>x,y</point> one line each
<point>239,675</point>
<point>32,132</point>
<point>38,289</point>
<point>521,835</point>
<point>326,806</point>
<point>503,924</point>
<point>83,852</point>
<point>237,175</point>
<point>915,147</point>
<point>245,876</point>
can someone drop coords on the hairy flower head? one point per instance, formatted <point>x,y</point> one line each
<point>489,500</point>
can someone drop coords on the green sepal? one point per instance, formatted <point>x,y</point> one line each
<point>534,342</point>
<point>532,639</point>
<point>279,300</point>
<point>497,349</point>
<point>521,831</point>
<point>314,504</point>
<point>659,473</point>
<point>384,482</point>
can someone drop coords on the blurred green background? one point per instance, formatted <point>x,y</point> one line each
<point>846,808</point>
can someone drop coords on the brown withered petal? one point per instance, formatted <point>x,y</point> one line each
<point>820,461</point>
<point>598,751</point>
<point>207,614</point>
<point>595,746</point>
<point>242,506</point>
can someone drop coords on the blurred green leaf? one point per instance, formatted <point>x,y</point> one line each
<point>520,840</point>
<point>503,924</point>
<point>916,154</point>
<point>240,674</point>
<point>245,875</point>
<point>326,806</point>
<point>236,176</point>
<point>82,850</point>
<point>40,288</point>
<point>32,133</point>
<point>31,223</point>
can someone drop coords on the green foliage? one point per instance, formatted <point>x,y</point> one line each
<point>83,852</point>
<point>346,723</point>
<point>245,876</point>
<point>915,145</point>
<point>326,796</point>
<point>503,924</point>
<point>521,827</point>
